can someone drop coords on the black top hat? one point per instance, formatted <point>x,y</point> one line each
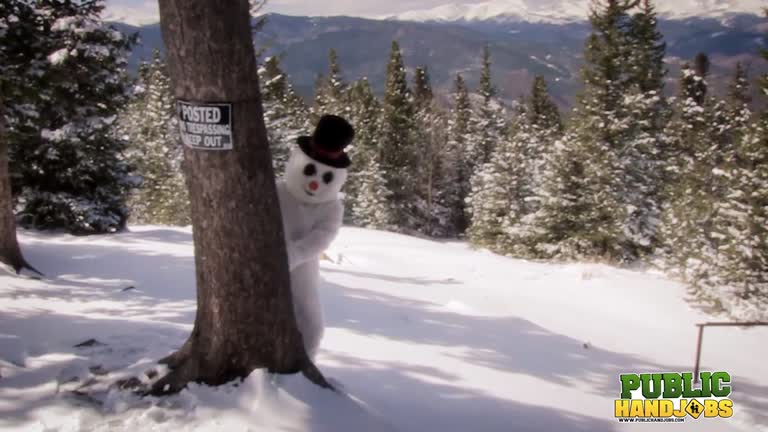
<point>327,143</point>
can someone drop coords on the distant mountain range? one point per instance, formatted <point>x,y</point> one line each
<point>520,49</point>
<point>560,11</point>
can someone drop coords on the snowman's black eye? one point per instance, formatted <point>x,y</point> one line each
<point>328,177</point>
<point>310,170</point>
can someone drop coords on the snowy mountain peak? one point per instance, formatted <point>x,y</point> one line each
<point>136,15</point>
<point>558,11</point>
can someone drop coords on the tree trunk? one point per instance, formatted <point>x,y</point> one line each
<point>10,253</point>
<point>245,317</point>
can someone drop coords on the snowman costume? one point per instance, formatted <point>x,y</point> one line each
<point>312,211</point>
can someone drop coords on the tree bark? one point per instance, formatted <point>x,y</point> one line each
<point>10,253</point>
<point>245,317</point>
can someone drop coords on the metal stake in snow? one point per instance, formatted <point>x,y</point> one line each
<point>717,324</point>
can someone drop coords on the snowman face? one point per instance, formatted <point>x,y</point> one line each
<point>311,181</point>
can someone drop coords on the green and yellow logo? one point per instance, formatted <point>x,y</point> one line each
<point>672,397</point>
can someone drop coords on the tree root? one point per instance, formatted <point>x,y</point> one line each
<point>25,265</point>
<point>313,374</point>
<point>18,263</point>
<point>185,369</point>
<point>179,357</point>
<point>176,380</point>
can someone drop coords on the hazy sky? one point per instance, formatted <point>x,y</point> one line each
<point>309,7</point>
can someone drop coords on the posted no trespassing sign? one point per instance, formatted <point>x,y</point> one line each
<point>205,126</point>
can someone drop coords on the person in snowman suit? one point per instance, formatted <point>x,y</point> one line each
<point>312,211</point>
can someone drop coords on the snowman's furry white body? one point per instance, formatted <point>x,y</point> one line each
<point>311,223</point>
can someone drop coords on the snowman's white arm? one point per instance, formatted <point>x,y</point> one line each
<point>317,241</point>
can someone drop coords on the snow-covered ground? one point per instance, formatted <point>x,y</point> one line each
<point>421,336</point>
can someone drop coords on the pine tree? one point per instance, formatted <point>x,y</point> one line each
<point>698,147</point>
<point>150,127</point>
<point>423,94</point>
<point>643,155</point>
<point>583,209</point>
<point>507,192</point>
<point>564,218</point>
<point>285,114</point>
<point>647,49</point>
<point>331,91</point>
<point>741,287</point>
<point>543,116</point>
<point>459,171</point>
<point>66,83</point>
<point>542,110</point>
<point>503,198</point>
<point>10,252</point>
<point>370,208</point>
<point>366,193</point>
<point>489,118</point>
<point>736,280</point>
<point>739,98</point>
<point>397,146</point>
<point>432,217</point>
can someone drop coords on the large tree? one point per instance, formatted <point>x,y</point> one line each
<point>397,145</point>
<point>581,212</point>
<point>367,195</point>
<point>502,190</point>
<point>699,142</point>
<point>644,151</point>
<point>10,253</point>
<point>458,179</point>
<point>245,317</point>
<point>432,216</point>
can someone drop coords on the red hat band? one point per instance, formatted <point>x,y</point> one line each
<point>325,153</point>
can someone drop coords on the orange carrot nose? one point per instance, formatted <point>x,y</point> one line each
<point>313,186</point>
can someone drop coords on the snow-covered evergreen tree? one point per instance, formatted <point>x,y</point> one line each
<point>489,118</point>
<point>544,118</point>
<point>285,114</point>
<point>646,108</point>
<point>506,192</point>
<point>583,209</point>
<point>398,155</point>
<point>371,205</point>
<point>732,276</point>
<point>739,98</point>
<point>64,80</point>
<point>150,127</point>
<point>331,91</point>
<point>458,157</point>
<point>646,50</point>
<point>503,192</point>
<point>741,286</point>
<point>423,95</point>
<point>699,146</point>
<point>366,193</point>
<point>432,217</point>
<point>542,110</point>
